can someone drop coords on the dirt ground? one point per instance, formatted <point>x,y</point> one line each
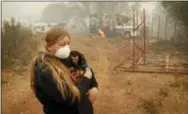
<point>120,93</point>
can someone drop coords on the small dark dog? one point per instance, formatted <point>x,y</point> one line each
<point>78,65</point>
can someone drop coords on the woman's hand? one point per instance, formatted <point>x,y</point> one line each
<point>93,94</point>
<point>88,74</point>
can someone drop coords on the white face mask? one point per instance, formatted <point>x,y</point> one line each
<point>63,52</point>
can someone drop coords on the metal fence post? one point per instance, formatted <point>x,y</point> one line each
<point>144,15</point>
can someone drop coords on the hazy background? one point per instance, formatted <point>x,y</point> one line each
<point>32,11</point>
<point>23,10</point>
<point>76,14</point>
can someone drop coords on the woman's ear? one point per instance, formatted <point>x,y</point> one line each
<point>47,48</point>
<point>51,49</point>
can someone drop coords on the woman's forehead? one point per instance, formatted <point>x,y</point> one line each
<point>63,39</point>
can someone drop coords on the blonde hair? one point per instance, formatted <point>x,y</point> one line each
<point>54,34</point>
<point>61,74</point>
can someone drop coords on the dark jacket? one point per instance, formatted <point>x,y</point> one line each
<point>68,63</point>
<point>51,99</point>
<point>85,106</point>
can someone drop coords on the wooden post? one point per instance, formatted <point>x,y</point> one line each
<point>158,28</point>
<point>144,15</point>
<point>148,30</point>
<point>175,24</point>
<point>167,61</point>
<point>133,65</point>
<point>166,27</point>
<point>141,22</point>
<point>129,24</point>
<point>152,27</point>
<point>136,18</point>
<point>141,17</point>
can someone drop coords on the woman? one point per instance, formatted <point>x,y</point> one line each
<point>51,81</point>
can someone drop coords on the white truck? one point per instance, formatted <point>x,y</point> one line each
<point>126,31</point>
<point>41,27</point>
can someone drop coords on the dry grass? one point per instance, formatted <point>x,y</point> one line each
<point>163,92</point>
<point>152,105</point>
<point>128,82</point>
<point>148,106</point>
<point>185,84</point>
<point>118,94</point>
<point>176,82</point>
<point>4,82</point>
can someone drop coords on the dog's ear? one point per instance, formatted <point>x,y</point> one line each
<point>82,60</point>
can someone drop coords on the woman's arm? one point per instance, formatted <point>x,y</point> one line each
<point>94,82</point>
<point>93,92</point>
<point>86,79</point>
